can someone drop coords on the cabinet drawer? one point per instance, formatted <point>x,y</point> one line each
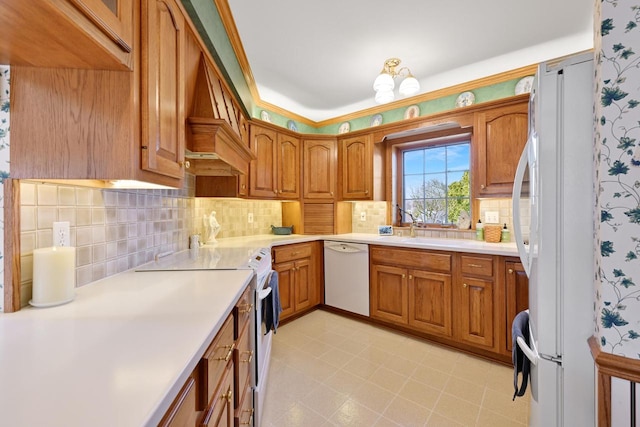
<point>243,358</point>
<point>476,266</point>
<point>214,361</point>
<point>242,312</point>
<point>219,412</point>
<point>411,258</point>
<point>183,409</point>
<point>244,413</point>
<point>291,252</point>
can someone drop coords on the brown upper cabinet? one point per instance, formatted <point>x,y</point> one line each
<point>105,124</point>
<point>86,34</point>
<point>500,136</point>
<point>162,97</point>
<point>355,174</point>
<point>319,169</point>
<point>288,166</point>
<point>275,173</point>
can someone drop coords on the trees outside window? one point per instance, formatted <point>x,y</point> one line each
<point>436,184</point>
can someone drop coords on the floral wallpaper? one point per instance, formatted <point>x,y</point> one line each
<point>4,163</point>
<point>617,131</point>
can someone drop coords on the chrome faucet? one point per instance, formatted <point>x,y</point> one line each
<point>412,225</point>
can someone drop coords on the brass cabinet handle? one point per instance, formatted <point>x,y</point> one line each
<point>482,186</point>
<point>464,285</point>
<point>247,309</point>
<point>511,271</point>
<point>184,164</point>
<point>228,395</point>
<point>475,265</point>
<point>250,358</point>
<point>229,352</point>
<point>410,277</point>
<point>331,193</point>
<point>404,275</point>
<point>366,191</point>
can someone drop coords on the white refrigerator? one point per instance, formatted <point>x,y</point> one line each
<point>553,208</point>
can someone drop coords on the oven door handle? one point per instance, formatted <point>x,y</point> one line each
<point>263,293</point>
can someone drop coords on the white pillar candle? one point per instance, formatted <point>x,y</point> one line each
<point>54,276</point>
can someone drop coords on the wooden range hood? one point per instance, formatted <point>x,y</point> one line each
<point>214,145</point>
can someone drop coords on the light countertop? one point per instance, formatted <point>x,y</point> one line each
<point>120,352</point>
<point>115,356</point>
<point>455,245</point>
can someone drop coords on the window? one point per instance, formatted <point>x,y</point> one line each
<point>435,182</point>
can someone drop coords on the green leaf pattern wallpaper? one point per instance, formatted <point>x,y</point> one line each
<point>617,157</point>
<point>4,162</point>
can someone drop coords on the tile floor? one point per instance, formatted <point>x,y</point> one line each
<point>329,370</point>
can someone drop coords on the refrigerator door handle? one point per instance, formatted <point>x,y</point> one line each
<point>531,353</point>
<point>263,293</point>
<point>517,225</point>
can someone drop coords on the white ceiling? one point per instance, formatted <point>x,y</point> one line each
<point>319,58</point>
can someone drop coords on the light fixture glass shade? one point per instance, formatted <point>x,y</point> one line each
<point>384,96</point>
<point>409,86</point>
<point>384,82</point>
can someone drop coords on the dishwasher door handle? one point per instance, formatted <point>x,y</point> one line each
<point>344,248</point>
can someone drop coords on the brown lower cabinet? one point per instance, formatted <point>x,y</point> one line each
<point>218,393</point>
<point>451,297</point>
<point>517,295</point>
<point>299,273</point>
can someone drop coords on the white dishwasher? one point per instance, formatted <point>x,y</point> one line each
<point>346,276</point>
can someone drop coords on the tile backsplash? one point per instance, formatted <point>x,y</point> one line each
<point>116,230</point>
<point>112,230</point>
<point>233,216</point>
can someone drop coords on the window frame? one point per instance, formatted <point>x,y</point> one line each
<point>454,136</point>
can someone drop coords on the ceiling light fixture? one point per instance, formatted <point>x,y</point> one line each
<point>384,84</point>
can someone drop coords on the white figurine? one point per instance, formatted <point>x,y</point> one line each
<point>214,228</point>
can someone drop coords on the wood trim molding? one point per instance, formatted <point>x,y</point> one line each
<point>614,365</point>
<point>11,245</point>
<point>234,38</point>
<point>610,365</point>
<point>440,93</point>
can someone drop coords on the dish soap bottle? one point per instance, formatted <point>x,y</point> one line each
<point>505,236</point>
<point>479,230</point>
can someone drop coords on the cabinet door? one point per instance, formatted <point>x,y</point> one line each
<point>517,284</point>
<point>183,409</point>
<point>356,168</point>
<point>500,136</point>
<point>430,302</point>
<point>319,169</point>
<point>304,284</point>
<point>389,295</point>
<point>220,410</point>
<point>288,167</point>
<point>242,364</point>
<point>243,188</point>
<point>113,17</point>
<point>162,88</point>
<point>262,179</point>
<point>286,282</point>
<point>474,309</point>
